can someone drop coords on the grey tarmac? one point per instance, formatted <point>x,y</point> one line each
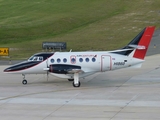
<point>125,94</point>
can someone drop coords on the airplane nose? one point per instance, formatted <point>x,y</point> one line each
<point>7,70</point>
<point>20,66</point>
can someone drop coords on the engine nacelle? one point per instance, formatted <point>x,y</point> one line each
<point>62,68</point>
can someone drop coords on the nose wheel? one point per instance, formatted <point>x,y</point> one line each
<point>24,82</point>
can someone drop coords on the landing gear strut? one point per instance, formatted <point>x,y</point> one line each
<point>24,81</point>
<point>76,82</point>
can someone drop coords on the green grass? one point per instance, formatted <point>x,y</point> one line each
<point>83,24</point>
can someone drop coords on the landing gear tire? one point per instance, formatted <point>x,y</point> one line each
<point>70,79</point>
<point>24,82</point>
<point>77,85</point>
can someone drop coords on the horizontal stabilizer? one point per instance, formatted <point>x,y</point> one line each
<point>139,47</point>
<point>136,66</point>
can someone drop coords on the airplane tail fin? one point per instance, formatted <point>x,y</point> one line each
<point>141,43</point>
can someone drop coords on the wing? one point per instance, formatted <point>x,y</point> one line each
<point>64,69</point>
<point>72,71</point>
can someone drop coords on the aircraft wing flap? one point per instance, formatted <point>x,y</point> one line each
<point>72,71</point>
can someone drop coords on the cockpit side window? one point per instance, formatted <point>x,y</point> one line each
<point>31,58</point>
<point>40,58</point>
<point>36,58</point>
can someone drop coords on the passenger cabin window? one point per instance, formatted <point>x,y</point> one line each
<point>58,60</point>
<point>64,60</point>
<point>52,60</point>
<point>73,60</point>
<point>87,59</point>
<point>93,59</point>
<point>80,60</point>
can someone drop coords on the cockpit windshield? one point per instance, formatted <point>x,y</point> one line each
<point>40,56</point>
<point>36,58</point>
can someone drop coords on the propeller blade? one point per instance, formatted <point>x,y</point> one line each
<point>47,69</point>
<point>47,75</point>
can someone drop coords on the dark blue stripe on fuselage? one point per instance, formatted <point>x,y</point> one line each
<point>126,53</point>
<point>22,66</point>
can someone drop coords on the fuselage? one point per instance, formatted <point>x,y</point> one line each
<point>90,62</point>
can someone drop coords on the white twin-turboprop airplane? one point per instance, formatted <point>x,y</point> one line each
<point>74,65</point>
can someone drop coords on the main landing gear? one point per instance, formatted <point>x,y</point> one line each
<point>76,82</point>
<point>24,81</point>
<point>77,85</point>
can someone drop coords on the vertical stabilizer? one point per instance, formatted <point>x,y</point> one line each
<point>144,42</point>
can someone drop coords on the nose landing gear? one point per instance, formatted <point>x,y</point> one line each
<point>24,81</point>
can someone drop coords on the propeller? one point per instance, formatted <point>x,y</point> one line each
<point>47,69</point>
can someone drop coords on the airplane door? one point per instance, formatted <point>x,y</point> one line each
<point>105,62</point>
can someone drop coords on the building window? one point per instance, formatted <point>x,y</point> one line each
<point>87,59</point>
